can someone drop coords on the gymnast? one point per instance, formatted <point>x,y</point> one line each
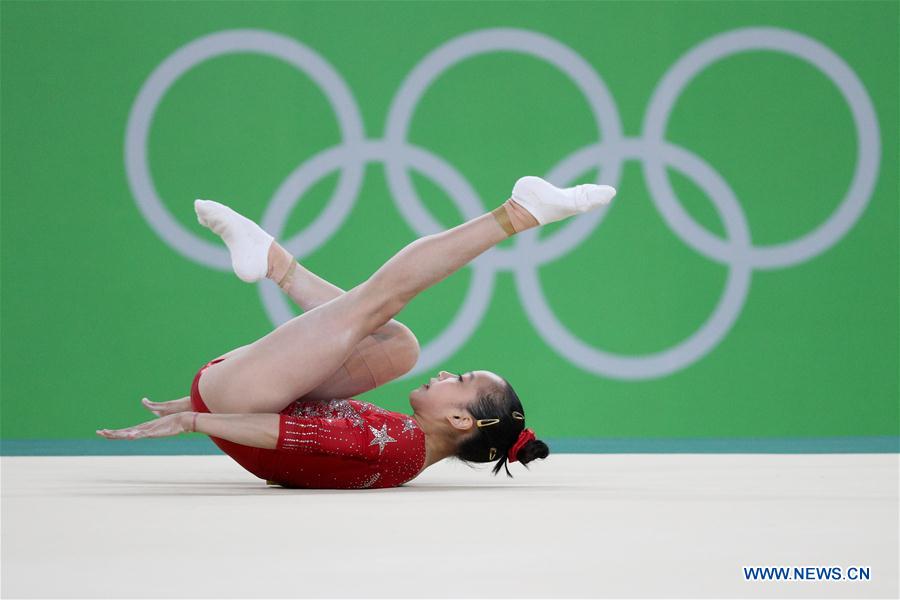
<point>282,407</point>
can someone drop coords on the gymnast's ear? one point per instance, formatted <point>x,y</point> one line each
<point>461,420</point>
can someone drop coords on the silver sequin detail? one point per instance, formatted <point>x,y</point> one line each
<point>367,406</point>
<point>408,425</point>
<point>370,481</point>
<point>333,409</point>
<point>381,438</point>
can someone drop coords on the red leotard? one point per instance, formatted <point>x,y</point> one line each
<point>332,444</point>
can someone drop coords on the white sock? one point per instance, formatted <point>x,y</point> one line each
<point>246,241</point>
<point>548,203</point>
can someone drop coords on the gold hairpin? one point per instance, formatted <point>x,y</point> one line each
<point>486,422</point>
<point>518,415</point>
<point>493,454</point>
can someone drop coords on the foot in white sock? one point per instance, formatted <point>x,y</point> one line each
<point>246,241</point>
<point>549,203</point>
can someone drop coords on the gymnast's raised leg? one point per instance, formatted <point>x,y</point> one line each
<point>383,355</point>
<point>301,354</point>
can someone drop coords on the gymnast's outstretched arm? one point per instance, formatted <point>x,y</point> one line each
<point>257,430</point>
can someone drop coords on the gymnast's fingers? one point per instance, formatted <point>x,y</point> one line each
<point>152,406</point>
<point>119,434</point>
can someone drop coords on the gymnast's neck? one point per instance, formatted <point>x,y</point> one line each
<point>437,446</point>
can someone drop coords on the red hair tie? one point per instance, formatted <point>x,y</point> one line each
<point>526,436</point>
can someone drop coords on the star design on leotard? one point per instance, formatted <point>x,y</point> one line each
<point>408,425</point>
<point>345,410</point>
<point>336,408</point>
<point>381,437</point>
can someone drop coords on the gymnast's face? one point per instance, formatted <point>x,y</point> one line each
<point>450,391</point>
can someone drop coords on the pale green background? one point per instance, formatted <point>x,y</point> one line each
<point>98,311</point>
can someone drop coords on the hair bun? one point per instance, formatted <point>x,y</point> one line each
<point>525,436</point>
<point>533,449</point>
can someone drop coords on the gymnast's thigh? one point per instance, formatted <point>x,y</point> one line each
<point>371,364</point>
<point>258,461</point>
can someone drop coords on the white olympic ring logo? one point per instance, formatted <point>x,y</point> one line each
<point>528,252</point>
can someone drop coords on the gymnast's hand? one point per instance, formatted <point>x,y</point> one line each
<point>161,427</point>
<point>161,409</point>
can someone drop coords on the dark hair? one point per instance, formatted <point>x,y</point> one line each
<point>498,403</point>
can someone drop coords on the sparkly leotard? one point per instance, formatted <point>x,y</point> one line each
<point>339,443</point>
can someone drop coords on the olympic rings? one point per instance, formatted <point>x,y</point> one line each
<point>528,251</point>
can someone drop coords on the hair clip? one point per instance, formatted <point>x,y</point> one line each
<point>518,415</point>
<point>486,422</point>
<point>492,454</point>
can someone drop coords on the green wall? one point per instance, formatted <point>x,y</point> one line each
<point>752,293</point>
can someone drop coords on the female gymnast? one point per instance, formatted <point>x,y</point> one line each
<point>283,406</point>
